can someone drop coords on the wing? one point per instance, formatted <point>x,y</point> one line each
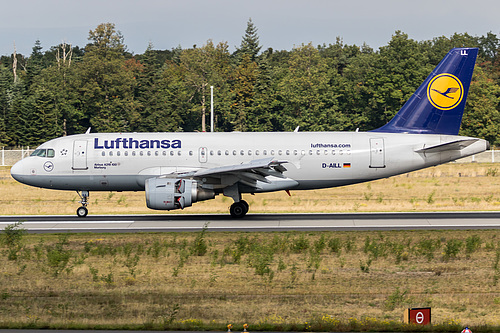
<point>259,175</point>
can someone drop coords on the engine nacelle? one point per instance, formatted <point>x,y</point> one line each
<point>171,193</point>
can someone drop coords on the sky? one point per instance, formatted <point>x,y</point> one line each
<point>281,24</point>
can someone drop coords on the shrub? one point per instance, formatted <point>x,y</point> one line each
<point>200,246</point>
<point>452,248</point>
<point>472,243</point>
<point>335,245</point>
<point>12,237</point>
<point>427,247</point>
<point>299,244</point>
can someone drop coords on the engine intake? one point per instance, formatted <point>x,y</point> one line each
<point>169,194</point>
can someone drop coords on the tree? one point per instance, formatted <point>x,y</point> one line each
<point>260,113</point>
<point>399,69</point>
<point>106,82</point>
<point>250,43</point>
<point>203,67</point>
<point>308,100</point>
<point>482,116</point>
<point>243,93</point>
<point>5,81</point>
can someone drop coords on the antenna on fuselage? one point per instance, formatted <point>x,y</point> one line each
<point>88,130</point>
<point>296,129</point>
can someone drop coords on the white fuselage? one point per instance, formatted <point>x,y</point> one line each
<point>123,161</point>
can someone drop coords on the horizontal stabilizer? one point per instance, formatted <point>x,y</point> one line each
<point>454,145</point>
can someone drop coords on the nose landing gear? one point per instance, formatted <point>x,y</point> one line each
<point>83,211</point>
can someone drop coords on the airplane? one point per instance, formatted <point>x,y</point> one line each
<point>178,169</point>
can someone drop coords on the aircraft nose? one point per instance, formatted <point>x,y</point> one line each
<point>17,171</point>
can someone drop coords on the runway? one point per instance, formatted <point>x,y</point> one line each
<point>257,222</point>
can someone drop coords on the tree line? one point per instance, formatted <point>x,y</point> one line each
<point>333,87</point>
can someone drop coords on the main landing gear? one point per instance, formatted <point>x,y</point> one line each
<point>239,209</point>
<point>83,211</point>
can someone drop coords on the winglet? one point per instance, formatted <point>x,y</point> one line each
<point>438,104</point>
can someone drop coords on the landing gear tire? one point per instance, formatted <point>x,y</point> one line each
<point>82,211</point>
<point>239,209</point>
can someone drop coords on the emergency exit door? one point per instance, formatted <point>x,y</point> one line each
<point>377,153</point>
<point>80,155</point>
<point>203,154</point>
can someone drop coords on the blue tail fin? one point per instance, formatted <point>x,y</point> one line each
<point>438,104</point>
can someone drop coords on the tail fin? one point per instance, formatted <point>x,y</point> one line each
<point>438,104</point>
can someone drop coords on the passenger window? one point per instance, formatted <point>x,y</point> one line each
<point>164,153</point>
<point>110,153</point>
<point>118,153</point>
<point>280,152</point>
<point>179,153</point>
<point>219,152</point>
<point>242,153</point>
<point>125,153</point>
<point>257,152</point>
<point>234,152</point>
<point>227,152</point>
<point>133,153</point>
<point>249,152</point>
<point>190,153</point>
<point>141,153</point>
<point>333,152</point>
<point>103,153</point>
<point>264,152</point>
<point>326,152</point>
<point>149,153</point>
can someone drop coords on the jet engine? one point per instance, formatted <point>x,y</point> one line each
<point>171,193</point>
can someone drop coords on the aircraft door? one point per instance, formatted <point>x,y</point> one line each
<point>377,153</point>
<point>203,154</point>
<point>80,155</point>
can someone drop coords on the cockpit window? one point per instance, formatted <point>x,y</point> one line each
<point>43,153</point>
<point>39,152</point>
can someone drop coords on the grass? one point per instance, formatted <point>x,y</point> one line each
<point>272,281</point>
<point>449,187</point>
